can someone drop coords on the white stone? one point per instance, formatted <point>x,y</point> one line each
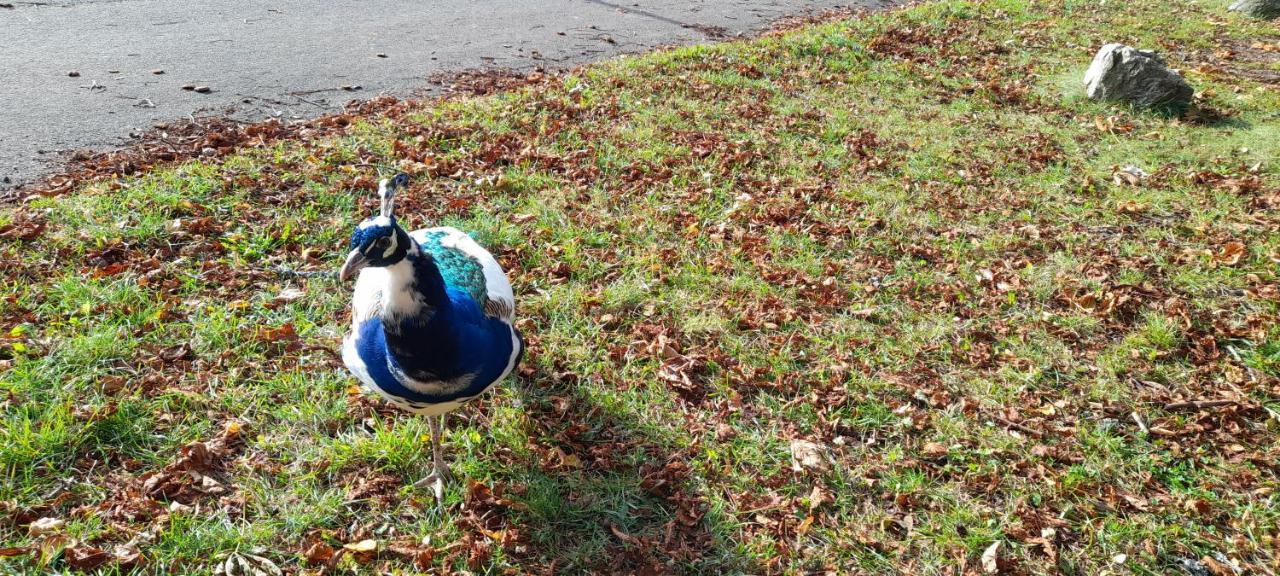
<point>1265,9</point>
<point>1123,74</point>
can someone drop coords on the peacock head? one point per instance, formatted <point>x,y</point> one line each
<point>378,241</point>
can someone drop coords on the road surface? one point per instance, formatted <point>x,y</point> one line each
<point>88,73</point>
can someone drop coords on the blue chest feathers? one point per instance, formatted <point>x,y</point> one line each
<point>453,352</point>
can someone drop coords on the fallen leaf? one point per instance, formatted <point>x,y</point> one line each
<point>285,333</point>
<point>804,526</point>
<point>52,546</point>
<point>7,552</point>
<point>1231,253</point>
<point>420,554</point>
<point>289,295</point>
<point>1198,506</point>
<point>863,312</point>
<point>45,526</point>
<point>238,564</point>
<point>127,556</point>
<point>567,459</point>
<point>1129,175</point>
<point>367,545</point>
<point>818,497</point>
<point>806,455</point>
<point>623,536</point>
<point>933,450</point>
<point>318,553</point>
<point>85,558</point>
<point>991,558</point>
<point>1218,568</point>
<point>22,229</point>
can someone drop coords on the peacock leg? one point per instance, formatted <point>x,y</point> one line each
<point>439,470</point>
<point>437,448</point>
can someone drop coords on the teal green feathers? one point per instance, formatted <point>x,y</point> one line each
<point>460,271</point>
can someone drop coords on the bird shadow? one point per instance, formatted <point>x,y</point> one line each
<point>597,490</point>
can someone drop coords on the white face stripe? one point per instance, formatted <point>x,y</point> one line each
<point>391,248</point>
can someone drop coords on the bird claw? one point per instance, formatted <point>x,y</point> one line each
<point>435,481</point>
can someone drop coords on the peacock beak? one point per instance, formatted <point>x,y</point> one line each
<point>354,264</point>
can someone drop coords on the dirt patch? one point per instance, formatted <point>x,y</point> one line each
<point>486,81</point>
<point>712,32</point>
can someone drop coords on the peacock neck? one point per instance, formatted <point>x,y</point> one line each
<point>416,319</point>
<point>415,290</point>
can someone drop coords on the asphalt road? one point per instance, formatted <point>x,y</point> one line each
<point>292,58</point>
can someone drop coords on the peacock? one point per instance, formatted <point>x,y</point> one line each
<point>432,319</point>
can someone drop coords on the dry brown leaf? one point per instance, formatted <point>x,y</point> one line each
<point>317,554</point>
<point>1128,176</point>
<point>623,536</point>
<point>52,546</point>
<point>1198,506</point>
<point>1218,568</point>
<point>85,558</point>
<point>127,556</point>
<point>567,459</point>
<point>817,497</point>
<point>421,554</point>
<point>806,455</point>
<point>1230,254</point>
<point>804,526</point>
<point>22,228</point>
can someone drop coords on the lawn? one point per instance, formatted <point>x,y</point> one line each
<point>872,295</point>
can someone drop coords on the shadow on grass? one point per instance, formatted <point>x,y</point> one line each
<point>605,493</point>
<point>1207,116</point>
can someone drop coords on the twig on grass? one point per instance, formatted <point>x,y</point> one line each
<point>1198,405</point>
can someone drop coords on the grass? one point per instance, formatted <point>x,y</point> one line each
<point>896,237</point>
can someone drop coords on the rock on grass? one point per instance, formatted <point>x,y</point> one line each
<point>1265,9</point>
<point>1125,74</point>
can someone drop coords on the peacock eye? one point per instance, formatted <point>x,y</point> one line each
<point>380,243</point>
